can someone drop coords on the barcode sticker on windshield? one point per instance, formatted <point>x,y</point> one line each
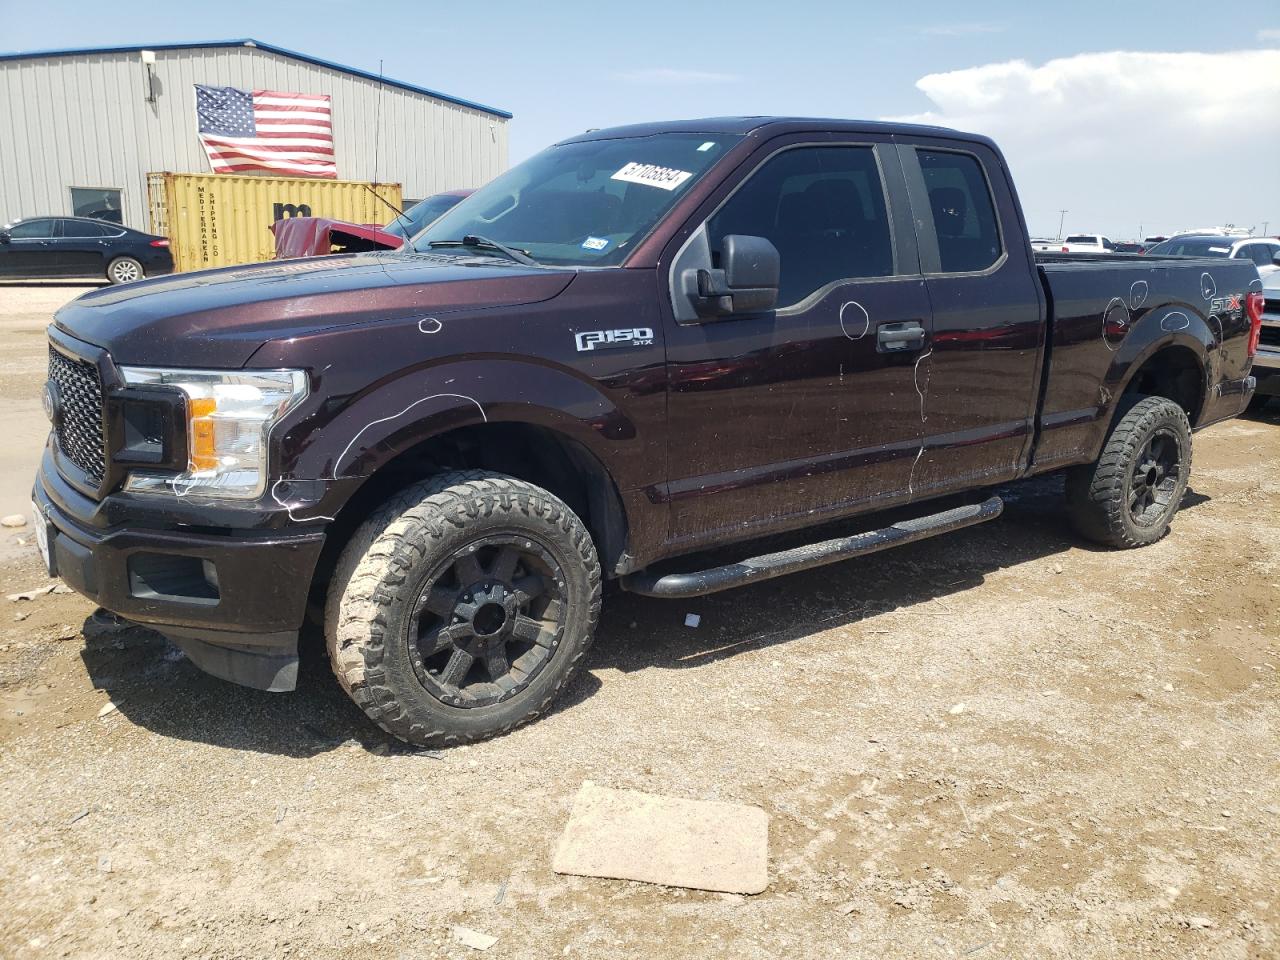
<point>651,175</point>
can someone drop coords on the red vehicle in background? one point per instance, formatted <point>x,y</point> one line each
<point>318,236</point>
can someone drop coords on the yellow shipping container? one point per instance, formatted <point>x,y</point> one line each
<point>217,220</point>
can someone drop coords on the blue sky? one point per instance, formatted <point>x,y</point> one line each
<point>1122,142</point>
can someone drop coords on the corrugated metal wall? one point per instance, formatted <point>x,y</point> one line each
<point>83,121</point>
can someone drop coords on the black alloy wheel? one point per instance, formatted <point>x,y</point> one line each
<point>486,621</point>
<point>1156,475</point>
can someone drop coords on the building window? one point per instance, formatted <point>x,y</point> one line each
<point>100,203</point>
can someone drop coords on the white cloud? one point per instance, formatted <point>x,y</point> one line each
<point>962,29</point>
<point>1123,139</point>
<point>1269,33</point>
<point>670,77</point>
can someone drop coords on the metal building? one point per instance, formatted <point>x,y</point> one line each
<point>81,129</point>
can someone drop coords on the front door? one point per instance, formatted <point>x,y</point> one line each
<point>29,252</point>
<point>812,410</point>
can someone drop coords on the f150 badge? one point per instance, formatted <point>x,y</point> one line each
<point>601,339</point>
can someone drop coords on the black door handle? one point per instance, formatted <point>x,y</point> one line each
<point>901,337</point>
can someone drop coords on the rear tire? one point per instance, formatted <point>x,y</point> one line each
<point>462,607</point>
<point>1129,496</point>
<point>124,270</point>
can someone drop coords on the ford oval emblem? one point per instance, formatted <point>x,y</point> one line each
<point>52,403</point>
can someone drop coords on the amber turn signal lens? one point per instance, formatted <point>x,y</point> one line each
<point>202,454</point>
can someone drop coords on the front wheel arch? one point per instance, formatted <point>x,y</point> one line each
<point>566,468</point>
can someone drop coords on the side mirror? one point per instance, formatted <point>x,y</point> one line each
<point>4,236</point>
<point>1275,259</point>
<point>747,281</point>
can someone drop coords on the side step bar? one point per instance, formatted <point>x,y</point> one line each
<point>701,582</point>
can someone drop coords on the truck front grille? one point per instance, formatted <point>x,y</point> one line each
<point>79,428</point>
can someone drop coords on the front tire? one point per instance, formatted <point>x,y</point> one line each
<point>124,270</point>
<point>462,607</point>
<point>1129,496</point>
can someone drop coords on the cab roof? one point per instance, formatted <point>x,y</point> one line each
<point>766,127</point>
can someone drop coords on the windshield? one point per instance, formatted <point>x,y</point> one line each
<point>421,214</point>
<point>1083,238</point>
<point>581,204</point>
<point>1195,247</point>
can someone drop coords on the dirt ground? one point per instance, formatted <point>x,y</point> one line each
<point>1001,743</point>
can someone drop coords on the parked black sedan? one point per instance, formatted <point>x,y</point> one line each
<point>44,247</point>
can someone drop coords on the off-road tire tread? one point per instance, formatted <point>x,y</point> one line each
<point>384,551</point>
<point>1095,493</point>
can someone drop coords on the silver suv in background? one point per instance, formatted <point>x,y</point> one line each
<point>1266,362</point>
<point>1263,251</point>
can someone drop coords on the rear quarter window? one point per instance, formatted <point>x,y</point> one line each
<point>964,215</point>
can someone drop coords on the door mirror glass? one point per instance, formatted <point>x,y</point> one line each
<point>4,236</point>
<point>747,281</point>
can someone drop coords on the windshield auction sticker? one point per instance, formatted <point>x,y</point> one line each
<point>651,175</point>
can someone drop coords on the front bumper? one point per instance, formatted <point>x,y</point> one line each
<point>232,599</point>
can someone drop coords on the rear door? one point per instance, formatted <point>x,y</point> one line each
<point>30,251</point>
<point>988,316</point>
<point>784,418</point>
<point>81,249</point>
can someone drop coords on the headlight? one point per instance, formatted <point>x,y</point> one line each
<point>229,419</point>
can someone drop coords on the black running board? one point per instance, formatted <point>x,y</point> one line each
<point>700,582</point>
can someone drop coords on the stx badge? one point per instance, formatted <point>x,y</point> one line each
<point>1228,305</point>
<point>600,339</point>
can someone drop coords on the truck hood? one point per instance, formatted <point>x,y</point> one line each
<point>218,318</point>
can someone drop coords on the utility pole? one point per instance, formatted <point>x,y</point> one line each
<point>1061,218</point>
<point>1265,224</point>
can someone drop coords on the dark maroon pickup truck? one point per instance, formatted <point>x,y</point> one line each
<point>640,344</point>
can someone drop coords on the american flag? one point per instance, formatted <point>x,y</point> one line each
<point>288,133</point>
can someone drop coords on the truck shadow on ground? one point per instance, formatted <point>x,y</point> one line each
<point>155,687</point>
<point>1267,413</point>
<point>1034,525</point>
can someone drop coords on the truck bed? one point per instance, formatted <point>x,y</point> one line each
<point>1106,314</point>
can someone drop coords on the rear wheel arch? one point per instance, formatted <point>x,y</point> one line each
<point>1176,369</point>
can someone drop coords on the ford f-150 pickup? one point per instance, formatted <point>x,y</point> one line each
<point>640,344</point>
